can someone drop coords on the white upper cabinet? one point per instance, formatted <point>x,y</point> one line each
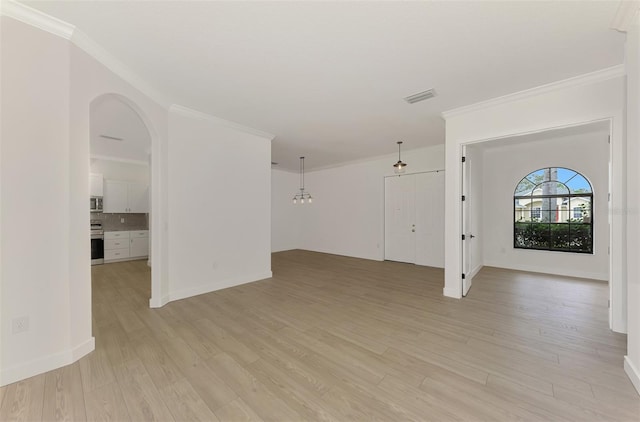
<point>96,185</point>
<point>125,197</point>
<point>138,197</point>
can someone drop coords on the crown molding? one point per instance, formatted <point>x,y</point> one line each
<point>55,26</point>
<point>195,114</point>
<point>623,19</point>
<point>581,80</point>
<point>34,17</point>
<point>95,50</point>
<point>38,19</point>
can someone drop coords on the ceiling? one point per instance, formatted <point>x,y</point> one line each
<point>329,78</point>
<point>117,131</point>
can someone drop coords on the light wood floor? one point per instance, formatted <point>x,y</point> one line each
<point>336,338</point>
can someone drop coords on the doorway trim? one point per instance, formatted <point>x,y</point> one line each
<point>155,236</point>
<point>617,271</point>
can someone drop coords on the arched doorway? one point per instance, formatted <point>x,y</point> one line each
<point>120,145</point>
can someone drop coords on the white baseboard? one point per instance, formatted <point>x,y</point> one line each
<point>158,303</point>
<point>46,363</point>
<point>217,285</point>
<point>475,271</point>
<point>83,349</point>
<point>549,270</point>
<point>276,250</point>
<point>453,293</point>
<point>380,256</point>
<point>632,373</point>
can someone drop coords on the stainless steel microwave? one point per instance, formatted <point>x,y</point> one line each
<point>95,204</point>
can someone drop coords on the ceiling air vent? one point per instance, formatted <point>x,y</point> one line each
<point>111,137</point>
<point>420,96</point>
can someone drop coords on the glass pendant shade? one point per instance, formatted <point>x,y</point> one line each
<point>399,167</point>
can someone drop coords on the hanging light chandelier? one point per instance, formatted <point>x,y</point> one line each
<point>302,195</point>
<point>399,167</point>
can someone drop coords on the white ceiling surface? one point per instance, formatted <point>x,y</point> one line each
<point>329,78</point>
<point>111,117</point>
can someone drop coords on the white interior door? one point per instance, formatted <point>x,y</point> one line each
<point>467,230</point>
<point>399,216</point>
<point>430,219</point>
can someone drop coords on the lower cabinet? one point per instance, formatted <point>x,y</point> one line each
<point>139,243</point>
<point>124,245</point>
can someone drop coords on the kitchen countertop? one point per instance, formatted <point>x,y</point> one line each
<point>128,229</point>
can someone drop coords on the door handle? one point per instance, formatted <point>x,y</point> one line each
<point>471,236</point>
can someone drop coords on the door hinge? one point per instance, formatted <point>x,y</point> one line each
<point>463,276</point>
<point>609,197</point>
<point>609,303</point>
<point>464,159</point>
<point>609,139</point>
<point>464,197</point>
<point>463,237</point>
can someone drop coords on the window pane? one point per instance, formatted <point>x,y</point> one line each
<point>552,188</point>
<point>531,235</point>
<point>524,187</point>
<point>581,238</point>
<point>579,184</point>
<point>536,176</point>
<point>565,174</point>
<point>560,236</point>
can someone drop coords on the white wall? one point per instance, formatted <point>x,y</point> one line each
<point>219,205</point>
<point>119,170</point>
<point>35,189</point>
<point>90,79</point>
<point>506,165</point>
<point>49,84</point>
<point>632,360</point>
<point>583,99</point>
<point>285,215</point>
<point>347,214</point>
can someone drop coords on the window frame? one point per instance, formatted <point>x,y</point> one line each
<point>567,231</point>
<point>577,213</point>
<point>537,211</point>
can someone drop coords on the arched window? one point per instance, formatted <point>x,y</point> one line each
<point>553,211</point>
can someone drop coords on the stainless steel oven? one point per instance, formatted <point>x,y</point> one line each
<point>97,242</point>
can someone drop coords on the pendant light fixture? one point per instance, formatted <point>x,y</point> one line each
<point>302,195</point>
<point>399,167</point>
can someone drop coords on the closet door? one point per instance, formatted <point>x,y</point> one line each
<point>399,216</point>
<point>430,219</point>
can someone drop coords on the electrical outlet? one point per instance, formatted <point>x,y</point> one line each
<point>122,220</point>
<point>20,324</point>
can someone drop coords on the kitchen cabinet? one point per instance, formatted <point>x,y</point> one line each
<point>125,197</point>
<point>139,243</point>
<point>96,185</point>
<point>138,197</point>
<point>125,245</point>
<point>116,246</point>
